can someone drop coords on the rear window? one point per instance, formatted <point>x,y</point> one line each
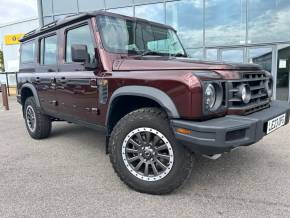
<point>27,52</point>
<point>48,51</point>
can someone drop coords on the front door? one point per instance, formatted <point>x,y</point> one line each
<point>46,71</point>
<point>76,86</point>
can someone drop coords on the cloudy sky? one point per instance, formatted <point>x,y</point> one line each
<point>13,10</point>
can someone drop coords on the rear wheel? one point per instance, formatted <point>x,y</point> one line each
<point>145,154</point>
<point>38,125</point>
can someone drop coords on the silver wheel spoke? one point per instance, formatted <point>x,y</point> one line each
<point>140,138</point>
<point>161,147</point>
<point>129,150</point>
<point>163,156</point>
<point>146,169</point>
<point>148,137</point>
<point>161,164</point>
<point>154,169</point>
<point>134,143</point>
<point>139,165</point>
<point>133,159</point>
<point>155,140</point>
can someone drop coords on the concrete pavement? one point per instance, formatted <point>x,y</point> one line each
<point>69,175</point>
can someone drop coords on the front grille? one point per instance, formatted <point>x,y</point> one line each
<point>257,81</point>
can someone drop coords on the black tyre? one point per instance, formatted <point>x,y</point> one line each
<point>145,154</point>
<point>38,125</point>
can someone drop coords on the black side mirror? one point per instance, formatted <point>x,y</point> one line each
<point>79,53</point>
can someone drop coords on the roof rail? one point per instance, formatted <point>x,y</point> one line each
<point>29,33</point>
<point>70,16</point>
<point>49,25</point>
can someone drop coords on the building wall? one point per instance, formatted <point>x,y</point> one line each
<point>11,52</point>
<point>218,30</point>
<point>201,23</point>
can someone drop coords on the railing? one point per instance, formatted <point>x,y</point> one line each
<point>11,80</point>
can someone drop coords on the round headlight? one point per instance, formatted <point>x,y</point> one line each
<point>245,93</point>
<point>210,96</point>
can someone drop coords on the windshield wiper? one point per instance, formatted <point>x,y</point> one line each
<point>179,55</point>
<point>148,52</point>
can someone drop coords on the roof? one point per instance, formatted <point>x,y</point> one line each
<point>70,19</point>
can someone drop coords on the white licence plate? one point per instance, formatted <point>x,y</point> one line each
<point>276,123</point>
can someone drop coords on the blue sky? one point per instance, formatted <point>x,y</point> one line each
<point>14,10</point>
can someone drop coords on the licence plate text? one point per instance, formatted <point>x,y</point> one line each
<point>276,123</point>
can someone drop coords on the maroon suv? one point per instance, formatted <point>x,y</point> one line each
<point>132,79</point>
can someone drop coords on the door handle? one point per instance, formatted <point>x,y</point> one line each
<point>50,70</point>
<point>37,79</point>
<point>62,80</point>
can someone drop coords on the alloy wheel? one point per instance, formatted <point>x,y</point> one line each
<point>147,154</point>
<point>30,118</point>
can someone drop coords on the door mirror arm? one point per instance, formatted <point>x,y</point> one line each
<point>90,66</point>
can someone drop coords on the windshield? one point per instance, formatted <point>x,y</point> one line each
<point>135,37</point>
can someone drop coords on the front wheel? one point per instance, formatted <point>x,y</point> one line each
<point>145,154</point>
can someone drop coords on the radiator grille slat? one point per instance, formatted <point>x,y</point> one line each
<point>259,95</point>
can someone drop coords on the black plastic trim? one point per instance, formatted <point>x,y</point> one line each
<point>148,92</point>
<point>34,92</point>
<point>209,137</point>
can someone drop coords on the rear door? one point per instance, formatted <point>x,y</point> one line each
<point>76,85</point>
<point>46,71</point>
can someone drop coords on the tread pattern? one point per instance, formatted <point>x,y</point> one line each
<point>149,115</point>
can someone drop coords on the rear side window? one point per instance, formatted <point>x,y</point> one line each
<point>48,50</point>
<point>80,35</point>
<point>27,52</point>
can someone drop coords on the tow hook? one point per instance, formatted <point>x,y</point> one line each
<point>212,157</point>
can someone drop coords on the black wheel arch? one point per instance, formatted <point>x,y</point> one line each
<point>28,90</point>
<point>155,96</point>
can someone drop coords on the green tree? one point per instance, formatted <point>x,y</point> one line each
<point>1,61</point>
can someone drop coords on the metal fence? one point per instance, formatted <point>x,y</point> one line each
<point>11,80</point>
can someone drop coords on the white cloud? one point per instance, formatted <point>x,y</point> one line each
<point>14,10</point>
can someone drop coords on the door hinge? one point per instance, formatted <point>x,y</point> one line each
<point>93,83</point>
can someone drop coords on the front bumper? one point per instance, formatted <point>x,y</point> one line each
<point>220,135</point>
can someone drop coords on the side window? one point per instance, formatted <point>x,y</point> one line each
<point>27,52</point>
<point>80,35</point>
<point>48,50</point>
